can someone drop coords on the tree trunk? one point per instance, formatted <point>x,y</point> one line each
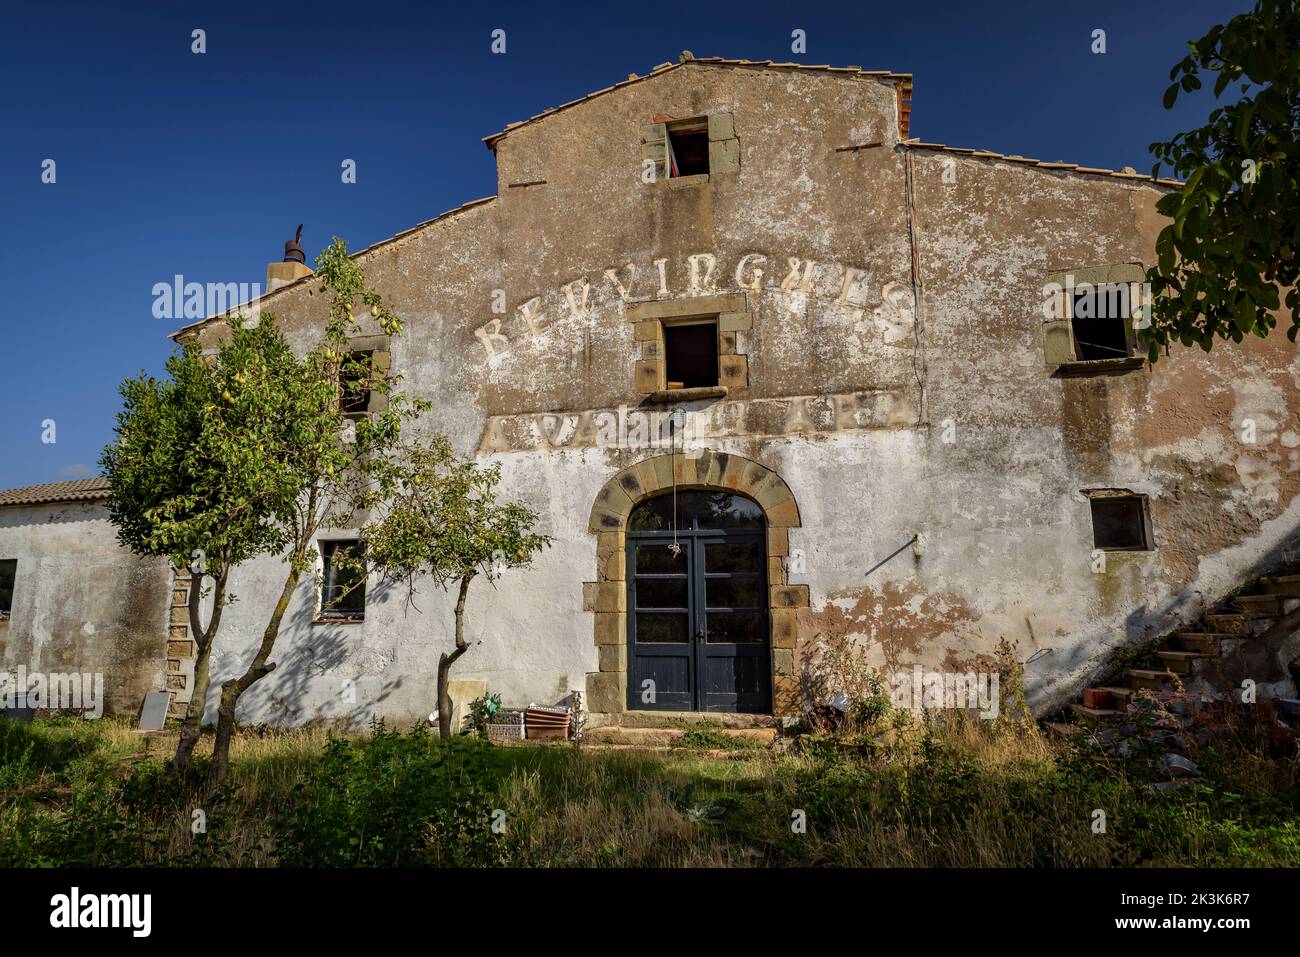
<point>203,641</point>
<point>445,661</point>
<point>257,669</point>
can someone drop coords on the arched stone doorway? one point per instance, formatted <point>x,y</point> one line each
<point>607,596</point>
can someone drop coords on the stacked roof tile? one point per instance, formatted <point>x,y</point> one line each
<point>77,490</point>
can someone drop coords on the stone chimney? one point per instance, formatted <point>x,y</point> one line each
<point>292,268</point>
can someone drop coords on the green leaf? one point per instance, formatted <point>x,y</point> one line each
<point>1243,314</point>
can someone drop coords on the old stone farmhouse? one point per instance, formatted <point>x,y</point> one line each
<point>893,426</point>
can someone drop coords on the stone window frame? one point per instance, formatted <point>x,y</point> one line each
<point>1059,354</point>
<point>606,597</point>
<point>1148,527</point>
<point>380,363</point>
<point>649,374</point>
<point>724,149</point>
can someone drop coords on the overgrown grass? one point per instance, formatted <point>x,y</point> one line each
<point>965,793</point>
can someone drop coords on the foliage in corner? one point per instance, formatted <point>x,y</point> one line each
<point>1231,249</point>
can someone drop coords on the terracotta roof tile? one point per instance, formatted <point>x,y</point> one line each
<point>77,490</point>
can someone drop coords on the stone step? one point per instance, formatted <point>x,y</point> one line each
<point>1094,715</point>
<point>1063,730</point>
<point>1267,604</point>
<point>716,719</point>
<point>1121,695</point>
<point>1180,662</point>
<point>1204,642</point>
<point>1146,679</point>
<point>1288,585</point>
<point>1233,623</point>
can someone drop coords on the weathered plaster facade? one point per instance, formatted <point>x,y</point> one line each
<point>888,373</point>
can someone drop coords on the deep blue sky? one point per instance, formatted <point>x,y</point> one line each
<point>170,162</point>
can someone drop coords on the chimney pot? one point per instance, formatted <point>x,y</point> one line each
<point>290,269</point>
<point>293,249</point>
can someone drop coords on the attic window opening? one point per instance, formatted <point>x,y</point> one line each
<point>1120,523</point>
<point>354,383</point>
<point>688,147</point>
<point>1099,320</point>
<point>691,354</point>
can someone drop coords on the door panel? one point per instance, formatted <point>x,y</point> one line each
<point>735,659</point>
<point>661,659</point>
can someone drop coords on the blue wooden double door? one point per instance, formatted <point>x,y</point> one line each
<point>698,629</point>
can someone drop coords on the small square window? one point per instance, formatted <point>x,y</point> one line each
<point>8,573</point>
<point>688,147</point>
<point>343,581</point>
<point>1119,523</point>
<point>691,354</point>
<point>354,379</point>
<point>1099,319</point>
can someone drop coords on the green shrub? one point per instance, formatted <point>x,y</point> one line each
<point>391,800</point>
<point>481,710</point>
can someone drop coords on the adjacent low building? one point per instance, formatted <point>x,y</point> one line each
<point>75,602</point>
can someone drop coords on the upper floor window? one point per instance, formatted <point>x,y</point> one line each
<point>1089,313</point>
<point>343,581</point>
<point>8,573</point>
<point>688,152</point>
<point>354,383</point>
<point>688,147</point>
<point>691,354</point>
<point>690,348</point>
<point>1099,318</point>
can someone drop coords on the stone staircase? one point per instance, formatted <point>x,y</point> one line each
<point>1213,660</point>
<point>658,731</point>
